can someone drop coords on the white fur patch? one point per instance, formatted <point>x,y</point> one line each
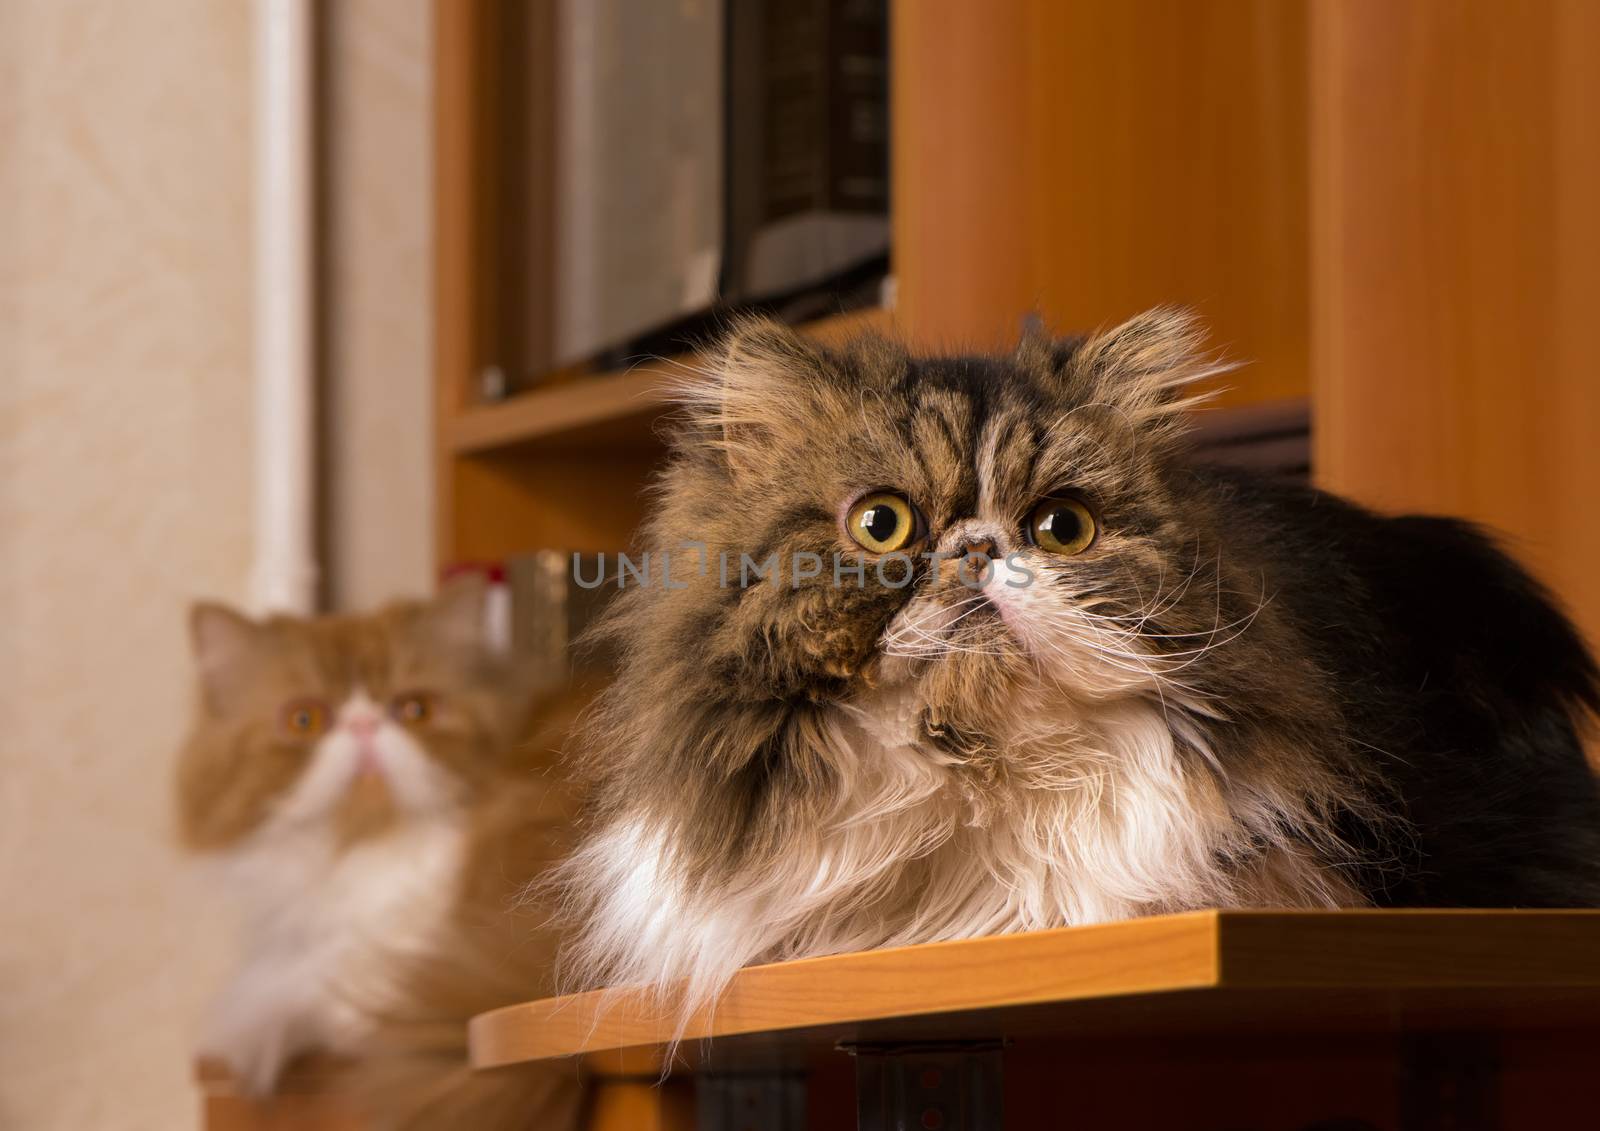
<point>1097,818</point>
<point>318,927</point>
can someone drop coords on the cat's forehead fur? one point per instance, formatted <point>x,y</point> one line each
<point>378,653</point>
<point>799,425</point>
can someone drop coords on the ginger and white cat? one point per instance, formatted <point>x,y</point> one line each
<point>346,779</point>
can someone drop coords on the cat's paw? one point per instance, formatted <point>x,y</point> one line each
<point>255,1056</point>
<point>256,1027</point>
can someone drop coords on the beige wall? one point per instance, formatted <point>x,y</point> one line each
<point>124,492</point>
<point>378,300</point>
<point>125,161</point>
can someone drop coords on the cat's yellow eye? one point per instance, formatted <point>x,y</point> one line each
<point>413,708</point>
<point>1062,525</point>
<point>305,718</point>
<point>882,522</point>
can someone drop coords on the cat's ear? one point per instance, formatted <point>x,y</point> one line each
<point>761,378</point>
<point>1145,368</point>
<point>226,644</point>
<point>457,620</point>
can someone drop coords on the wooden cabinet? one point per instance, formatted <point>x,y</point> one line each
<point>1386,206</point>
<point>1078,162</point>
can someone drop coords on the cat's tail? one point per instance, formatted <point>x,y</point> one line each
<point>416,1076</point>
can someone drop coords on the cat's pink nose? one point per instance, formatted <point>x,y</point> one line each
<point>362,726</point>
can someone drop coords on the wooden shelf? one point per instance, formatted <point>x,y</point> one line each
<point>585,404</point>
<point>1257,972</point>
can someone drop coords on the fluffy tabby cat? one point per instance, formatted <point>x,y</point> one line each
<point>363,787</point>
<point>1132,684</point>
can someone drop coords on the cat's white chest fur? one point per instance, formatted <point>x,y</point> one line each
<point>320,929</point>
<point>1096,819</point>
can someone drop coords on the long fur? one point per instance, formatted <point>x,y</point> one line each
<point>414,1073</point>
<point>1224,702</point>
<point>380,861</point>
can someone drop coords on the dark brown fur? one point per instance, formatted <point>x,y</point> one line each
<point>1217,703</point>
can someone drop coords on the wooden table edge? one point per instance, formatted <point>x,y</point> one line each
<point>1204,951</point>
<point>1166,952</point>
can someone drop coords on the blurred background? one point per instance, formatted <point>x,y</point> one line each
<point>302,304</point>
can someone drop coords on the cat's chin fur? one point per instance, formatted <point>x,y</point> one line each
<point>916,852</point>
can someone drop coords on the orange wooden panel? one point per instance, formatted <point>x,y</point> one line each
<point>1457,269</point>
<point>513,502</point>
<point>962,253</point>
<point>1089,160</point>
<point>461,29</point>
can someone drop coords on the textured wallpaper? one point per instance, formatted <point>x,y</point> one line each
<point>124,492</point>
<point>125,433</point>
